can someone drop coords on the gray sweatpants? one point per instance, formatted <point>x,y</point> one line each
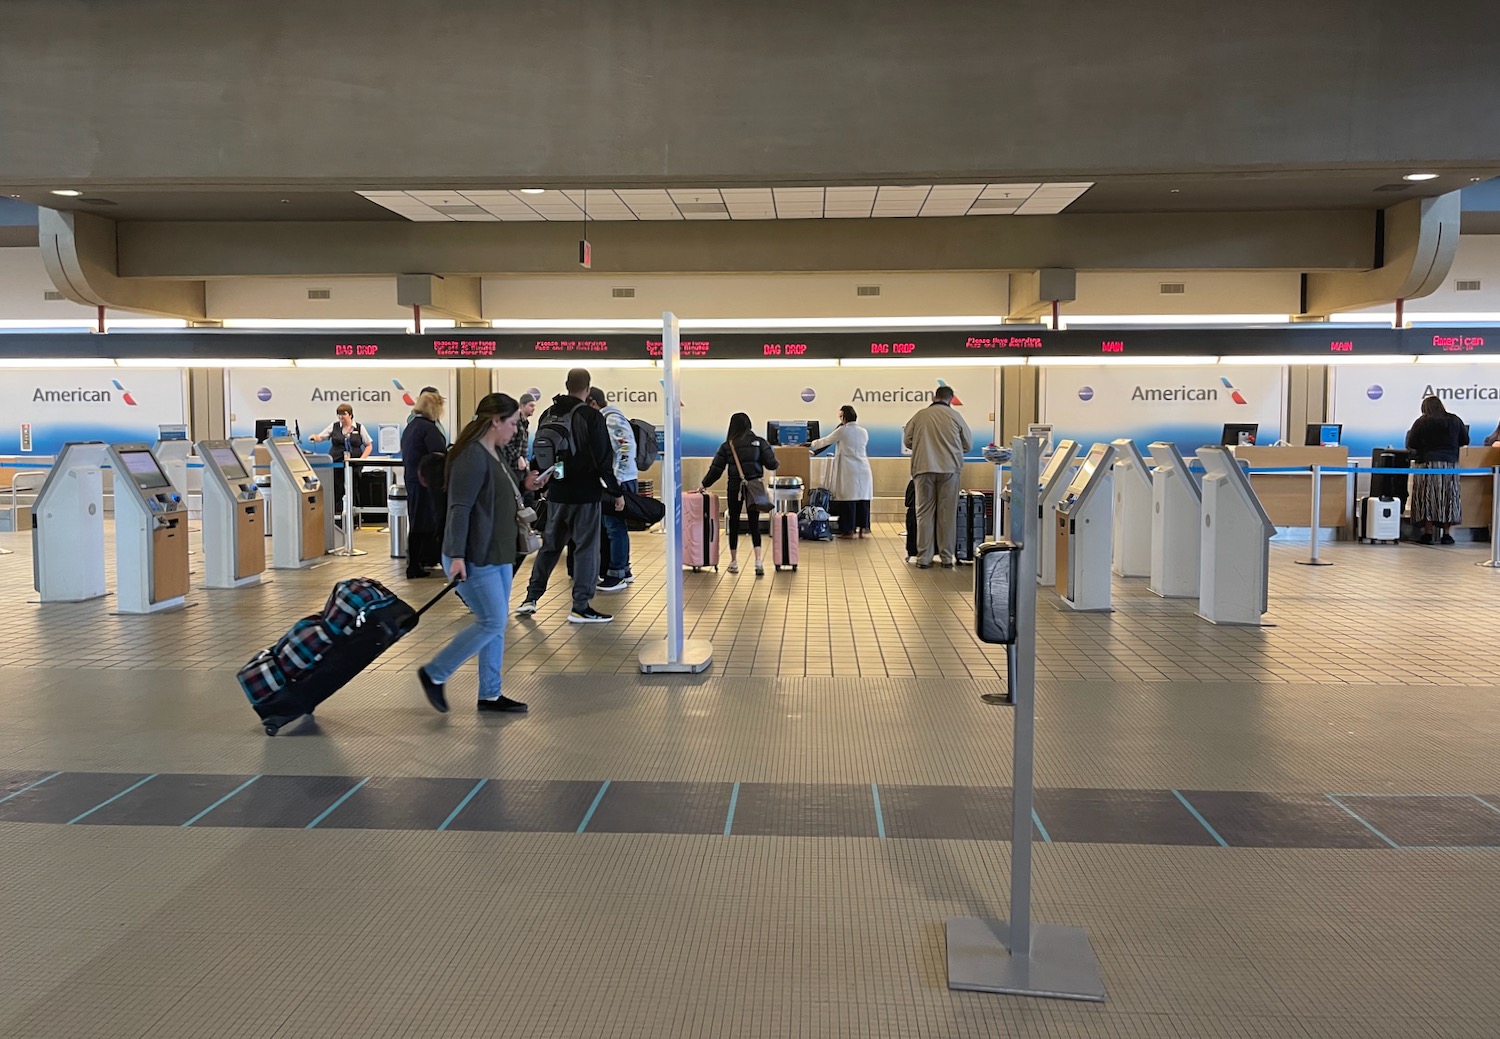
<point>937,511</point>
<point>579,524</point>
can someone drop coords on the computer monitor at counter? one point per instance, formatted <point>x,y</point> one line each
<point>793,433</point>
<point>1239,434</point>
<point>1323,434</point>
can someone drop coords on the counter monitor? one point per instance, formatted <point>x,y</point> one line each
<point>1239,434</point>
<point>1324,434</point>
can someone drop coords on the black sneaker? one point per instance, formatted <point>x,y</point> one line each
<point>1448,539</point>
<point>611,584</point>
<point>629,578</point>
<point>589,615</point>
<point>1425,539</point>
<point>526,608</point>
<point>434,691</point>
<point>504,703</point>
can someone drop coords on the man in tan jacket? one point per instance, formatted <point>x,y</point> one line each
<point>938,438</point>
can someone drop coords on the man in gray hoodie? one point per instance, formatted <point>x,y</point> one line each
<point>617,575</point>
<point>938,438</point>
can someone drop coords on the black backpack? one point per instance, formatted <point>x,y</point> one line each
<point>646,452</point>
<point>555,441</point>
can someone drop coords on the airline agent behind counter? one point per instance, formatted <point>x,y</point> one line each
<point>345,437</point>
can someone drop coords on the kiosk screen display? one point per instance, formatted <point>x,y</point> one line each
<point>292,457</point>
<point>144,470</point>
<point>229,463</point>
<point>1062,456</point>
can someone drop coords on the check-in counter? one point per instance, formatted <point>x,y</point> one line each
<point>1477,492</point>
<point>1287,497</point>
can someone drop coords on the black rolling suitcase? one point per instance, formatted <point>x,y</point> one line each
<point>911,518</point>
<point>321,654</point>
<point>1390,485</point>
<point>971,525</point>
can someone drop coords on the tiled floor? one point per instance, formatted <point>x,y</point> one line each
<point>1283,831</point>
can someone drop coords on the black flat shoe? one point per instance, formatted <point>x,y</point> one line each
<point>1425,539</point>
<point>504,703</point>
<point>1448,539</point>
<point>434,691</point>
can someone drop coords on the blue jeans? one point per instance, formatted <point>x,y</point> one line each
<point>619,535</point>
<point>486,592</point>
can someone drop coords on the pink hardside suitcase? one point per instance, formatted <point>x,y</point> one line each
<point>700,530</point>
<point>786,544</point>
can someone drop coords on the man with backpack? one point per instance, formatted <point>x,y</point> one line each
<point>617,574</point>
<point>573,441</point>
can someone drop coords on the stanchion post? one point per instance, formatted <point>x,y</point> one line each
<point>348,549</point>
<point>1493,562</point>
<point>1317,515</point>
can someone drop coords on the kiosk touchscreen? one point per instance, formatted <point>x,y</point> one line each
<point>1235,567</point>
<point>302,532</point>
<point>1132,520</point>
<point>1084,542</point>
<point>151,533</point>
<point>1176,505</point>
<point>67,526</point>
<point>234,518</point>
<point>1051,487</point>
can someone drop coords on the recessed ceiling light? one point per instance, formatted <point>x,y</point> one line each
<point>533,191</point>
<point>1176,191</point>
<point>1420,176</point>
<point>67,192</point>
<point>1472,180</point>
<point>286,201</point>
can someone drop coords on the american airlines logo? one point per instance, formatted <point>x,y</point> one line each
<point>83,395</point>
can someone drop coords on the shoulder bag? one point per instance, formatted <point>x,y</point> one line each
<point>753,490</point>
<point>527,539</point>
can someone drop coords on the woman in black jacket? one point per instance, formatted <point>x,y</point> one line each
<point>754,456</point>
<point>422,437</point>
<point>1435,438</point>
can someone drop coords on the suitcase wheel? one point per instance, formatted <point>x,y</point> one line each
<point>272,730</point>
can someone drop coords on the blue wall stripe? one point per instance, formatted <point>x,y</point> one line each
<point>879,815</point>
<point>1197,815</point>
<point>29,786</point>
<point>734,799</point>
<point>1039,827</point>
<point>1362,820</point>
<point>590,813</point>
<point>463,804</point>
<point>221,800</point>
<point>329,810</point>
<point>112,800</point>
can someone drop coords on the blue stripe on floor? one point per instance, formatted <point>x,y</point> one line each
<point>734,799</point>
<point>29,786</point>
<point>593,807</point>
<point>330,809</point>
<point>1362,820</point>
<point>1198,815</point>
<point>1039,827</point>
<point>879,815</point>
<point>112,800</point>
<point>463,804</point>
<point>221,800</point>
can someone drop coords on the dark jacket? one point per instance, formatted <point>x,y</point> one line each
<point>1436,438</point>
<point>593,463</point>
<point>755,457</point>
<point>516,449</point>
<point>420,438</point>
<point>481,527</point>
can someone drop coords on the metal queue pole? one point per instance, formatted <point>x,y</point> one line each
<point>1016,958</point>
<point>348,549</point>
<point>1317,514</point>
<point>1493,562</point>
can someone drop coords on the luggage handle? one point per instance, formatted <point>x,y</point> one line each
<point>434,600</point>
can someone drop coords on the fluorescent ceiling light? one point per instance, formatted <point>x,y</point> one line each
<point>577,362</point>
<point>204,362</point>
<point>56,362</point>
<point>533,191</point>
<point>1266,360</point>
<point>1118,361</point>
<point>66,192</point>
<point>1420,176</point>
<point>793,325</point>
<point>366,362</point>
<point>1457,359</point>
<point>337,324</point>
<point>999,361</point>
<point>1077,321</point>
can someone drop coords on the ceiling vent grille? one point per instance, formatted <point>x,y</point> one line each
<point>867,290</point>
<point>1393,187</point>
<point>1173,288</point>
<point>53,296</point>
<point>622,292</point>
<point>1467,286</point>
<point>320,294</point>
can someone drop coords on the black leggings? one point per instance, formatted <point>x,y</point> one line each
<point>853,515</point>
<point>734,522</point>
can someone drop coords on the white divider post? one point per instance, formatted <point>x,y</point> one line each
<point>1317,513</point>
<point>674,654</point>
<point>1493,562</point>
<point>1014,958</point>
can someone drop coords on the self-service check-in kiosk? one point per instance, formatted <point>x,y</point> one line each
<point>67,526</point>
<point>1132,520</point>
<point>1176,509</point>
<point>1084,543</point>
<point>151,533</point>
<point>1235,569</point>
<point>299,508</point>
<point>1053,484</point>
<point>172,451</point>
<point>234,518</point>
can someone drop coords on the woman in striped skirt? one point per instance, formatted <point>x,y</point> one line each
<point>1435,438</point>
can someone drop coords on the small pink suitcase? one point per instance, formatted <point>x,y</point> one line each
<point>786,543</point>
<point>700,530</point>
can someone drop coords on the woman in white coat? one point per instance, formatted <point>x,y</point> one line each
<point>852,485</point>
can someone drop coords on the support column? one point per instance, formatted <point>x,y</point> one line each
<point>82,259</point>
<point>1034,294</point>
<point>1418,241</point>
<point>455,295</point>
<point>1021,402</point>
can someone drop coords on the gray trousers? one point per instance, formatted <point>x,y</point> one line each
<point>579,524</point>
<point>937,515</point>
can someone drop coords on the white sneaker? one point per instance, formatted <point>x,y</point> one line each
<point>527,607</point>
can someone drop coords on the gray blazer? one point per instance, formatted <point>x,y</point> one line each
<point>473,495</point>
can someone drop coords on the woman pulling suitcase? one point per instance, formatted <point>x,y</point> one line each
<point>486,535</point>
